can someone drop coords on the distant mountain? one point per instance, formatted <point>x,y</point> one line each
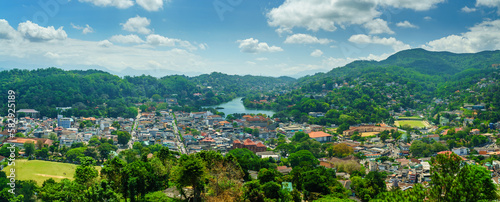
<point>441,64</point>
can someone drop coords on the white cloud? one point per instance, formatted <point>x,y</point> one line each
<point>6,31</point>
<point>378,26</point>
<point>329,14</point>
<point>261,59</point>
<point>122,4</point>
<point>365,39</point>
<point>252,45</point>
<point>251,63</point>
<point>489,3</point>
<point>406,24</point>
<point>85,30</point>
<point>104,43</point>
<point>150,5</point>
<point>158,40</point>
<point>468,10</point>
<point>418,5</point>
<point>427,18</point>
<point>35,32</point>
<point>137,24</point>
<point>483,36</point>
<point>203,46</point>
<point>305,39</point>
<point>127,39</point>
<point>317,53</point>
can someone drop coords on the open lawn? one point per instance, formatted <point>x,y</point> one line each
<point>411,123</point>
<point>409,118</point>
<point>368,134</point>
<point>42,170</point>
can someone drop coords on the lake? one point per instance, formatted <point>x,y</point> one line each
<point>236,106</point>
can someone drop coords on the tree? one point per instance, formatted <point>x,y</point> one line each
<point>300,136</point>
<point>39,144</point>
<point>451,182</point>
<point>42,153</point>
<point>190,171</point>
<point>340,150</point>
<point>105,149</point>
<point>85,173</point>
<point>369,187</point>
<point>252,191</point>
<point>416,194</point>
<point>75,154</point>
<point>29,148</point>
<point>303,158</point>
<point>5,151</point>
<point>268,175</point>
<point>271,190</point>
<point>123,137</point>
<point>116,125</point>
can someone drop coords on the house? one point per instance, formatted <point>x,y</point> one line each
<point>320,136</point>
<point>475,132</point>
<point>434,137</point>
<point>250,145</point>
<point>19,142</point>
<point>268,154</point>
<point>461,151</point>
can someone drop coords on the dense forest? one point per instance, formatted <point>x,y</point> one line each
<point>367,91</point>
<point>97,93</point>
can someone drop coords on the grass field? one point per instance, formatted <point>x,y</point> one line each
<point>409,118</point>
<point>368,134</point>
<point>411,123</point>
<point>42,170</point>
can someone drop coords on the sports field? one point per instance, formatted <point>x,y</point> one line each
<point>411,123</point>
<point>42,170</point>
<point>368,134</point>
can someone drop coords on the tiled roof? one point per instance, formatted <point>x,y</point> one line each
<point>259,144</point>
<point>236,142</point>
<point>249,142</point>
<point>319,134</point>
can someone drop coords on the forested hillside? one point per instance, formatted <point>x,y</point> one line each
<point>366,91</point>
<point>98,93</point>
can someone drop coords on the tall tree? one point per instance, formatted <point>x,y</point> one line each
<point>29,148</point>
<point>191,171</point>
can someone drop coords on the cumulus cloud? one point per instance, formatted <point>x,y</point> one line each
<point>158,40</point>
<point>6,31</point>
<point>127,39</point>
<point>378,26</point>
<point>122,4</point>
<point>252,45</point>
<point>489,3</point>
<point>427,18</point>
<point>203,46</point>
<point>104,43</point>
<point>35,32</point>
<point>483,36</point>
<point>329,14</point>
<point>406,24</point>
<point>365,39</point>
<point>468,10</point>
<point>150,5</point>
<point>137,24</point>
<point>305,39</point>
<point>317,53</point>
<point>85,30</point>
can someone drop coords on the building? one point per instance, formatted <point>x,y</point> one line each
<point>461,151</point>
<point>250,145</point>
<point>19,142</point>
<point>64,122</point>
<point>320,136</point>
<point>28,112</point>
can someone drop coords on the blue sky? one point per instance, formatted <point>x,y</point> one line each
<point>272,38</point>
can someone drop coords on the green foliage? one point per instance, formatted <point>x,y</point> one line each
<point>303,158</point>
<point>29,148</point>
<point>452,182</point>
<point>416,194</point>
<point>369,187</point>
<point>191,171</point>
<point>85,173</point>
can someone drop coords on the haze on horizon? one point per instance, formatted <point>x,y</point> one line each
<point>268,38</point>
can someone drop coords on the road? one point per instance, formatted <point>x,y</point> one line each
<point>180,144</point>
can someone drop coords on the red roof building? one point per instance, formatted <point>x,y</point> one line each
<point>250,145</point>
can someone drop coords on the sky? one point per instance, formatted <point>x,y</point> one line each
<point>256,37</point>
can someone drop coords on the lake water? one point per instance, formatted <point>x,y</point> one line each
<point>236,106</point>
